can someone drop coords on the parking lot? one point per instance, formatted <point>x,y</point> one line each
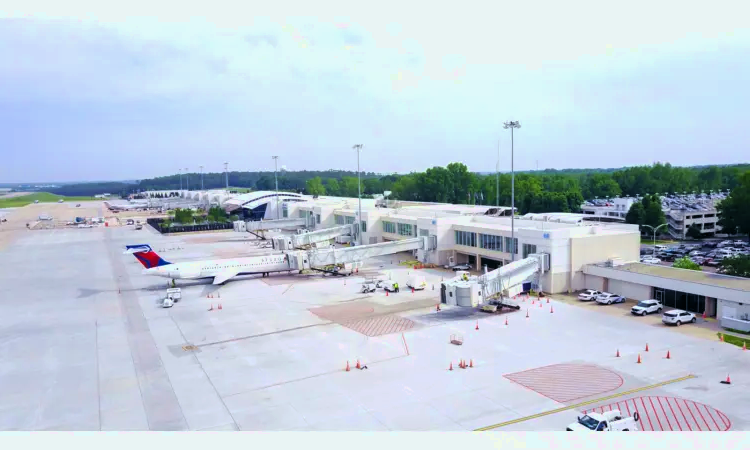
<point>89,348</point>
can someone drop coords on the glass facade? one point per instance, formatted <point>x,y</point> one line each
<point>511,245</point>
<point>339,219</point>
<point>528,249</point>
<point>491,242</point>
<point>680,300</point>
<point>389,227</point>
<point>466,238</point>
<point>405,229</point>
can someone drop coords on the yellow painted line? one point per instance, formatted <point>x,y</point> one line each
<point>588,402</point>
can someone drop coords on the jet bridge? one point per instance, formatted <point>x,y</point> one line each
<point>300,260</point>
<point>496,286</point>
<point>305,239</point>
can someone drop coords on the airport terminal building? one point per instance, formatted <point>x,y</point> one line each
<point>583,253</point>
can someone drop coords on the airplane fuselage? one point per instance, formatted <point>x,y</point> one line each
<point>216,268</point>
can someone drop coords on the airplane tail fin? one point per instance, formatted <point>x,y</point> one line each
<point>146,255</point>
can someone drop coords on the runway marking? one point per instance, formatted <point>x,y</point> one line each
<point>588,402</point>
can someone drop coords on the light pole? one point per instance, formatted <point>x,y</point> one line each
<point>180,171</point>
<point>497,175</point>
<point>653,250</point>
<point>187,180</point>
<point>276,180</point>
<point>512,125</point>
<point>358,147</point>
<point>201,177</point>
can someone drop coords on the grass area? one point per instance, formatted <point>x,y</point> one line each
<point>241,190</point>
<point>734,340</point>
<point>737,331</point>
<point>645,240</point>
<point>43,197</point>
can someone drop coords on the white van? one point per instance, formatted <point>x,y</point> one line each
<point>660,248</point>
<point>390,286</point>
<point>417,282</point>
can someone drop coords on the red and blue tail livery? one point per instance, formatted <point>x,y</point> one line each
<point>146,255</point>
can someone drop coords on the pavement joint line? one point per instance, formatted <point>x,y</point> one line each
<point>588,402</point>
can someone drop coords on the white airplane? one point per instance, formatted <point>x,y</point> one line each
<point>220,270</point>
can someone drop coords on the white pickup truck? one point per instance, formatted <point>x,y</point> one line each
<point>607,421</point>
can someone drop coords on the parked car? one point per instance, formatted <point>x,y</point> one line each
<point>367,288</point>
<point>646,307</point>
<point>650,260</point>
<point>678,317</point>
<point>605,298</point>
<point>461,267</point>
<point>588,295</point>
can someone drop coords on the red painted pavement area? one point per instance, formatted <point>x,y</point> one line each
<point>658,413</point>
<point>565,382</point>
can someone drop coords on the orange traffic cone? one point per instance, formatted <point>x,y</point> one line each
<point>477,327</point>
<point>386,293</point>
<point>617,355</point>
<point>646,347</point>
<point>533,302</point>
<point>347,366</point>
<point>451,366</point>
<point>437,308</point>
<point>471,363</point>
<point>639,358</point>
<point>506,321</point>
<point>727,381</point>
<point>547,299</point>
<point>540,304</point>
<point>668,355</point>
<point>219,305</point>
<point>704,315</point>
<point>412,290</point>
<point>358,366</point>
<point>551,309</point>
<point>527,313</point>
<point>721,337</point>
<point>744,346</point>
<point>212,307</point>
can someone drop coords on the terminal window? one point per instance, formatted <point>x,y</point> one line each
<point>528,249</point>
<point>404,229</point>
<point>389,227</point>
<point>466,238</point>
<point>491,242</point>
<point>339,219</point>
<point>511,245</point>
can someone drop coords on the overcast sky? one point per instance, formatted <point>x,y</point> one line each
<point>142,88</point>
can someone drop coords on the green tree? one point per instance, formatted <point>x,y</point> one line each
<point>694,232</point>
<point>636,214</point>
<point>735,209</point>
<point>738,266</point>
<point>216,214</point>
<point>183,216</point>
<point>314,186</point>
<point>686,263</point>
<point>332,187</point>
<point>653,213</point>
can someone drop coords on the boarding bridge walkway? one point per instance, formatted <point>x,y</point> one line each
<point>326,257</point>
<point>265,225</point>
<point>504,282</point>
<point>313,237</point>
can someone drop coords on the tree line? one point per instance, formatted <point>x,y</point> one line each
<point>535,191</point>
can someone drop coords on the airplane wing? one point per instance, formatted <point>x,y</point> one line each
<point>224,276</point>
